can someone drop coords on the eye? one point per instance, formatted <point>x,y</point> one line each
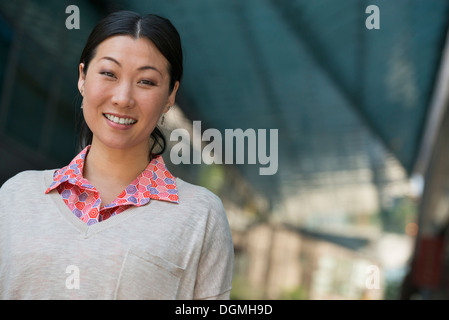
<point>107,74</point>
<point>147,82</point>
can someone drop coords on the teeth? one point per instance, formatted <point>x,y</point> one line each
<point>118,120</point>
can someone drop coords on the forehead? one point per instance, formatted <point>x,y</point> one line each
<point>131,52</point>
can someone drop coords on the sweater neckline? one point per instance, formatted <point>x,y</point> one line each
<point>83,228</point>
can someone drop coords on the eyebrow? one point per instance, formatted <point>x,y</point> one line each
<point>140,68</point>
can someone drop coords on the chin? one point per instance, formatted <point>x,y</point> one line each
<point>123,144</point>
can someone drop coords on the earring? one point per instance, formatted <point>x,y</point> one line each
<point>82,92</point>
<point>162,120</point>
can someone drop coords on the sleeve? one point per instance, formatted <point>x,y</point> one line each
<point>216,266</point>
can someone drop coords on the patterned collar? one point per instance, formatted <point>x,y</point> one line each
<point>155,182</point>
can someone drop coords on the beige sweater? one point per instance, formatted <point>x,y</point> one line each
<point>158,251</point>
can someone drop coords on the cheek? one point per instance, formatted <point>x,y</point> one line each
<point>96,94</point>
<point>93,98</point>
<point>93,103</point>
<point>152,104</point>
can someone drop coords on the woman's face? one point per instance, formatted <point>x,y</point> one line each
<point>125,91</point>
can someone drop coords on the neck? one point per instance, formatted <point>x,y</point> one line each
<point>118,166</point>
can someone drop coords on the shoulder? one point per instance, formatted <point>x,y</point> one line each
<point>35,179</point>
<point>23,193</point>
<point>199,196</point>
<point>199,201</point>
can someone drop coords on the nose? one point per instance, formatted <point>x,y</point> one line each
<point>123,95</point>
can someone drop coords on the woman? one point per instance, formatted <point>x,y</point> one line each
<point>114,223</point>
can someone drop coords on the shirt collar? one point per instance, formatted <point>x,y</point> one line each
<point>155,182</point>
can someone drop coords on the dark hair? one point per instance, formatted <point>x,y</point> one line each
<point>160,31</point>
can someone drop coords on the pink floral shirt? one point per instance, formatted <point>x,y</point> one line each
<point>155,182</point>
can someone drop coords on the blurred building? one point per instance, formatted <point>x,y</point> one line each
<point>428,275</point>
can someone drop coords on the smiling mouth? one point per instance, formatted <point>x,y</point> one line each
<point>118,120</point>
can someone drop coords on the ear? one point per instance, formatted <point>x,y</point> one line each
<point>172,97</point>
<point>81,78</point>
